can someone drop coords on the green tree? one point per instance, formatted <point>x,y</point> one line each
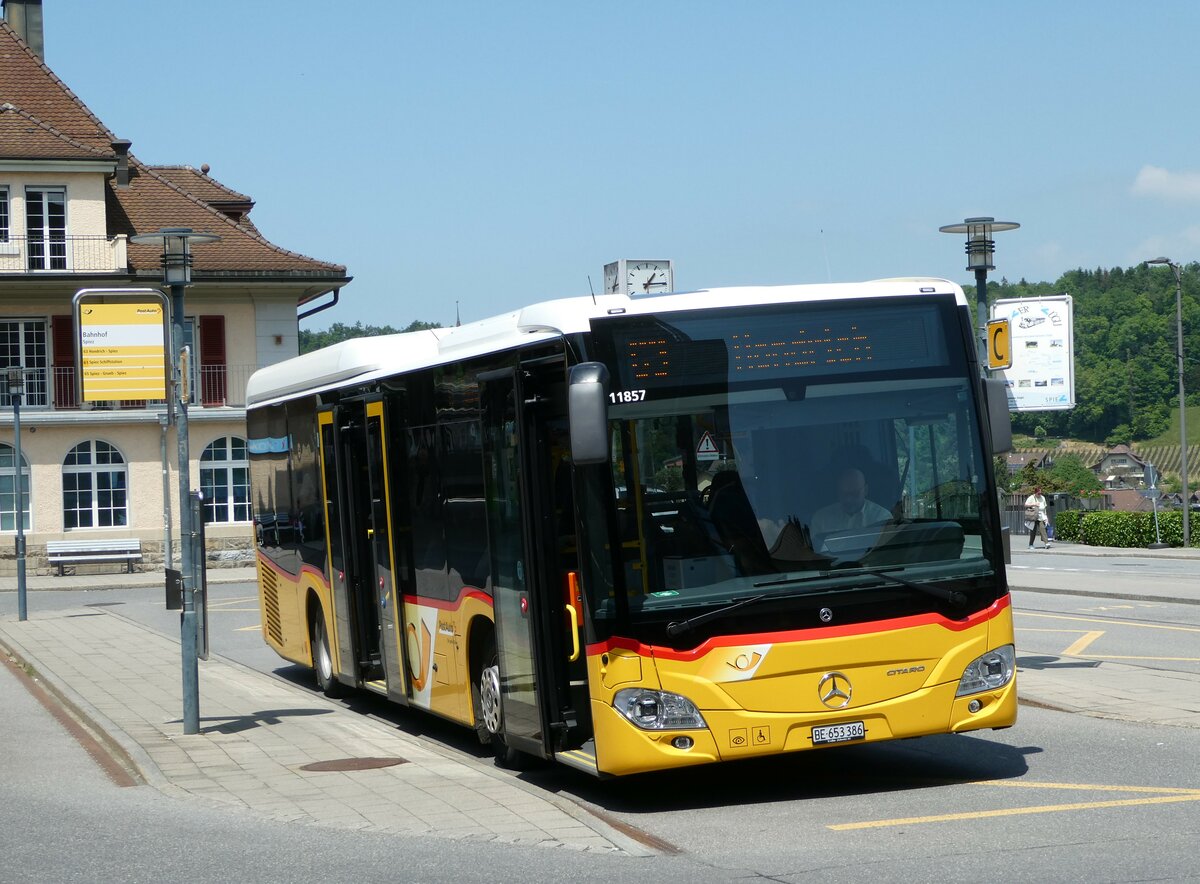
<point>339,331</point>
<point>1069,473</point>
<point>1125,370</point>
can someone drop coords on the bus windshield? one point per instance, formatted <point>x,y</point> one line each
<point>791,466</point>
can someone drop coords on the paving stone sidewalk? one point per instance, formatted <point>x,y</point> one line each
<point>256,733</point>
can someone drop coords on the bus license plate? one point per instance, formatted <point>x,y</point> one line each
<point>839,733</point>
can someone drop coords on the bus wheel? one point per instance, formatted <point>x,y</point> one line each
<point>327,682</point>
<point>492,716</point>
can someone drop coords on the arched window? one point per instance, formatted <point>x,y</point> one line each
<point>8,489</point>
<point>95,487</point>
<point>225,481</point>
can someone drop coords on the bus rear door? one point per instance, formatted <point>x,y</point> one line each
<point>354,461</point>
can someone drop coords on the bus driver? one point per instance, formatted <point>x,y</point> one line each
<point>852,513</point>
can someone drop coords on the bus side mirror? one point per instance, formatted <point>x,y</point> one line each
<point>587,405</point>
<point>995,394</point>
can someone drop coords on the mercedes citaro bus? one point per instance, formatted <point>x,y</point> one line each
<point>592,529</point>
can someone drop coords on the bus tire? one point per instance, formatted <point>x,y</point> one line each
<point>482,652</point>
<point>327,682</point>
<point>491,713</point>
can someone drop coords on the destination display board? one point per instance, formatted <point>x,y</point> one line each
<point>122,345</point>
<point>771,344</point>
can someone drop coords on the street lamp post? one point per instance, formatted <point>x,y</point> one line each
<point>1183,464</point>
<point>16,389</point>
<point>177,273</point>
<point>980,249</point>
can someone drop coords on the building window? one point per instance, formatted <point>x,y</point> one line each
<point>46,227</point>
<point>95,488</point>
<point>4,229</point>
<point>225,481</point>
<point>8,489</point>
<point>23,345</point>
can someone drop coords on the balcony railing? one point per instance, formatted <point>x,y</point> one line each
<point>212,386</point>
<point>63,254</point>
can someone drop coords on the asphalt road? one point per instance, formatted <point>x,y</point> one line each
<point>1059,797</point>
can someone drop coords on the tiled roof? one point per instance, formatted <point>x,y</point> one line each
<point>152,202</point>
<point>200,184</point>
<point>24,136</point>
<point>1129,499</point>
<point>154,198</point>
<point>27,83</point>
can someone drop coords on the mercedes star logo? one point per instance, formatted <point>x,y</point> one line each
<point>834,690</point>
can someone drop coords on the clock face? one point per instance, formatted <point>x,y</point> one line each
<point>611,282</point>
<point>648,277</point>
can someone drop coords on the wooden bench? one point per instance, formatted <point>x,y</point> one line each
<point>68,552</point>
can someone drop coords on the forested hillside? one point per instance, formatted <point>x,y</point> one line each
<point>1125,370</point>
<point>339,331</point>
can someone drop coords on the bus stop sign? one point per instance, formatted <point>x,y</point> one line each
<point>999,344</point>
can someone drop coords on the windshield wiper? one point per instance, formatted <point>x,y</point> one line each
<point>953,596</point>
<point>679,627</point>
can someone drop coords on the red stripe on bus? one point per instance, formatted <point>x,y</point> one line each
<point>304,569</point>
<point>798,635</point>
<point>444,605</point>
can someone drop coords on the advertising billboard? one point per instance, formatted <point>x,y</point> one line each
<point>1042,345</point>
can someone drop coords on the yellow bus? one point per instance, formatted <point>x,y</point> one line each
<point>637,533</point>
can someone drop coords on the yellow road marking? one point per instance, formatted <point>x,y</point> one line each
<point>1016,811</point>
<point>1109,622</point>
<point>1163,795</point>
<point>1090,787</point>
<point>1076,648</point>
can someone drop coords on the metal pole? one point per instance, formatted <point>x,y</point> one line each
<point>168,552</point>
<point>187,620</point>
<point>981,310</point>
<point>22,607</point>
<point>1183,439</point>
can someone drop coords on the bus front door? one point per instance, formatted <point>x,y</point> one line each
<point>527,604</point>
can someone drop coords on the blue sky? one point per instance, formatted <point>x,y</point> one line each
<point>497,154</point>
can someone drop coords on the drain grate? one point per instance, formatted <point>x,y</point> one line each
<point>348,764</point>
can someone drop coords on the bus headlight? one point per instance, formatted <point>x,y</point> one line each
<point>989,671</point>
<point>657,710</point>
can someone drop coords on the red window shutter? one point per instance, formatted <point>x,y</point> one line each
<point>212,360</point>
<point>62,338</point>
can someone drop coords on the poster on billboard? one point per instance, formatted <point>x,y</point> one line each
<point>1042,342</point>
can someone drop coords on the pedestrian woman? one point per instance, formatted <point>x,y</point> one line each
<point>1035,517</point>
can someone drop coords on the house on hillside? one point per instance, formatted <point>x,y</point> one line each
<point>71,196</point>
<point>1120,468</point>
<point>1019,460</point>
<point>1130,500</point>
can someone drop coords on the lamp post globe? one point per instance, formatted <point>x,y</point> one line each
<point>980,249</point>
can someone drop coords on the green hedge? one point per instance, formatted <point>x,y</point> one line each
<point>1119,528</point>
<point>1066,525</point>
